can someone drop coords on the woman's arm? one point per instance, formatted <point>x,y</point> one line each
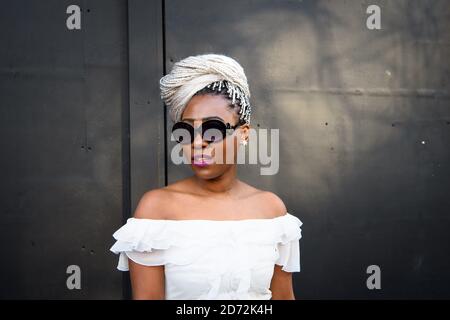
<point>281,285</point>
<point>147,282</point>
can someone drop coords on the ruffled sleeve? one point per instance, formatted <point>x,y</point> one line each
<point>143,241</point>
<point>289,245</point>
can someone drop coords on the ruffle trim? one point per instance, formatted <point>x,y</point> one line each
<point>139,236</point>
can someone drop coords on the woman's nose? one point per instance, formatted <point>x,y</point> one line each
<point>198,140</point>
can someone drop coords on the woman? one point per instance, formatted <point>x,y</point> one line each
<point>209,236</point>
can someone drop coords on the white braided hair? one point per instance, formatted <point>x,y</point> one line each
<point>194,73</point>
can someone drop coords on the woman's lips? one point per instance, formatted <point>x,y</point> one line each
<point>200,164</point>
<point>201,160</point>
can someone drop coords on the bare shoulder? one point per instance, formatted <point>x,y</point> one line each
<point>153,204</point>
<point>274,202</point>
<point>161,203</point>
<point>268,201</point>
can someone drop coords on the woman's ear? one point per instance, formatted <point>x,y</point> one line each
<point>244,132</point>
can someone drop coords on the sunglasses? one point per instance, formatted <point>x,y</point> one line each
<point>211,131</point>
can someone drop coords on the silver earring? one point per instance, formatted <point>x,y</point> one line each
<point>243,142</point>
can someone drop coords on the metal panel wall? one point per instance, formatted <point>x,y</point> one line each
<point>364,131</point>
<point>63,96</point>
<point>147,113</point>
<point>364,125</point>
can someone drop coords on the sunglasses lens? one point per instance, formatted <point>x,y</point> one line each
<point>182,133</point>
<point>213,130</point>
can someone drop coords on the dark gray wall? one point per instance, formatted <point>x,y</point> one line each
<point>353,106</point>
<point>63,99</point>
<point>364,121</point>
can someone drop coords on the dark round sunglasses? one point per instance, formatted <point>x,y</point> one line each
<point>211,131</point>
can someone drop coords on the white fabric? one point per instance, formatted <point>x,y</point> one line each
<point>212,259</point>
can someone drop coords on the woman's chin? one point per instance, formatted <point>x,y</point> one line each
<point>205,172</point>
<point>201,167</point>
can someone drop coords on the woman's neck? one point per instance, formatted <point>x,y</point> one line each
<point>223,185</point>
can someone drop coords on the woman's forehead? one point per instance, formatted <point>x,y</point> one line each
<point>186,119</point>
<point>202,107</point>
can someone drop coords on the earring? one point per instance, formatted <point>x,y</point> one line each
<point>243,142</point>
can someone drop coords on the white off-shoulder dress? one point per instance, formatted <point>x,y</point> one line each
<point>212,259</point>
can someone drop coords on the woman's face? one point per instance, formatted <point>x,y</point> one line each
<point>219,156</point>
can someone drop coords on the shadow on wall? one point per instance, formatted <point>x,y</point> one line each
<point>364,124</point>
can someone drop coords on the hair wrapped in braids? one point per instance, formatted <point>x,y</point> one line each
<point>205,73</point>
